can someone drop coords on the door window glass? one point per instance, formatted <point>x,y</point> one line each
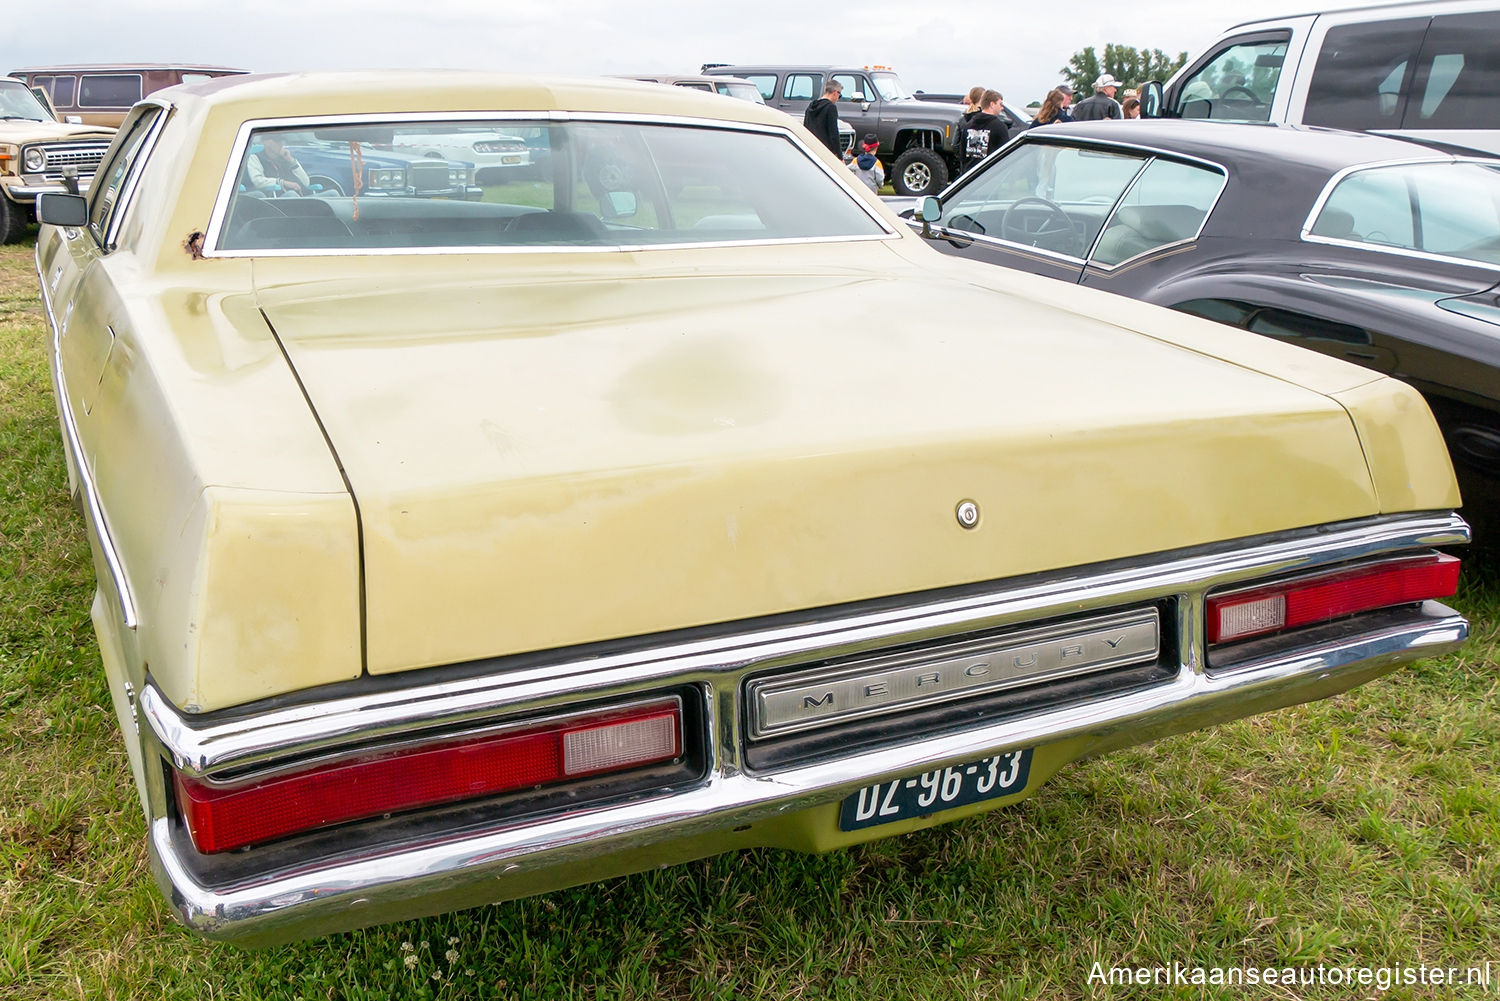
<point>109,91</point>
<point>1042,195</point>
<point>1167,205</point>
<point>59,89</point>
<point>1237,84</point>
<point>1458,76</point>
<point>765,83</point>
<point>1362,74</point>
<point>801,87</point>
<point>109,182</point>
<point>856,88</point>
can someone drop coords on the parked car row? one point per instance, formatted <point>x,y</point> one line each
<point>456,550</point>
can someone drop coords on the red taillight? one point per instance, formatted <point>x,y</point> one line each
<point>221,817</point>
<point>1310,600</point>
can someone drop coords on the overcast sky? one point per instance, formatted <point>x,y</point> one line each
<point>951,46</point>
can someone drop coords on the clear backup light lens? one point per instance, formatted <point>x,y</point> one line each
<point>603,748</point>
<point>1324,597</point>
<point>225,816</point>
<point>35,158</point>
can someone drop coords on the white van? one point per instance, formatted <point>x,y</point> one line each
<point>1417,70</point>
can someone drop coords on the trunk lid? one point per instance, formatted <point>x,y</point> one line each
<point>542,460</point>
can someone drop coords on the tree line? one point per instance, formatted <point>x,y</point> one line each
<point>1131,66</point>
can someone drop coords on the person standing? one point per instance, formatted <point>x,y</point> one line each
<point>987,131</point>
<point>1054,106</point>
<point>1066,114</point>
<point>1131,107</point>
<point>865,166</point>
<point>822,117</point>
<point>1102,105</point>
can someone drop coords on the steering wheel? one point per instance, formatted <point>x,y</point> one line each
<point>1033,230</point>
<point>1252,95</point>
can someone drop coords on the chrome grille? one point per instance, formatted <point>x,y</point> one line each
<point>84,157</point>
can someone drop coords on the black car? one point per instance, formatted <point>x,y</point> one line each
<point>1376,250</point>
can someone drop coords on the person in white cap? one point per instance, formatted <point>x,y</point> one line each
<point>1102,105</point>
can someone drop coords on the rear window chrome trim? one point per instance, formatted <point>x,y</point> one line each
<point>227,185</point>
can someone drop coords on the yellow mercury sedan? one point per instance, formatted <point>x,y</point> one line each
<point>671,498</point>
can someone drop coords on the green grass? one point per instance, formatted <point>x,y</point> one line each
<point>1363,830</point>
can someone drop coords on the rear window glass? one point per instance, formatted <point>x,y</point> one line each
<point>1448,209</point>
<point>519,184</point>
<point>111,91</point>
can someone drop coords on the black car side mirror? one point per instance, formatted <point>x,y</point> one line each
<point>1151,98</point>
<point>56,208</point>
<point>929,210</point>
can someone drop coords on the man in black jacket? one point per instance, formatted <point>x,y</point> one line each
<point>1102,105</point>
<point>822,117</point>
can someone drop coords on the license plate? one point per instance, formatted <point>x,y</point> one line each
<point>939,789</point>
<point>510,159</point>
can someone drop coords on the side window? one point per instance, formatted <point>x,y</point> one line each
<point>1238,83</point>
<point>695,85</point>
<point>1458,74</point>
<point>115,90</point>
<point>59,89</point>
<point>1370,206</point>
<point>765,83</point>
<point>1168,204</point>
<point>110,181</point>
<point>1363,74</point>
<point>1054,198</point>
<point>801,87</point>
<point>856,87</point>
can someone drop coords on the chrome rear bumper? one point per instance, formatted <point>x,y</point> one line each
<point>293,895</point>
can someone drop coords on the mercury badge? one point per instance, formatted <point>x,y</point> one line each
<point>967,514</point>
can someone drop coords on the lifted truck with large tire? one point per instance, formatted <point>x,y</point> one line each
<point>916,137</point>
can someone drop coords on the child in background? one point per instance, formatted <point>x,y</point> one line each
<point>865,166</point>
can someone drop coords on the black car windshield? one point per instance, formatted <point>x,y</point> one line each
<point>529,183</point>
<point>17,101</point>
<point>1450,209</point>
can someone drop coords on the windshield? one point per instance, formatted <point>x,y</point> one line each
<point>890,87</point>
<point>1450,209</point>
<point>17,101</point>
<point>529,183</point>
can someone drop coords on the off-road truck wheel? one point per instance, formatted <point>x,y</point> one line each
<point>919,172</point>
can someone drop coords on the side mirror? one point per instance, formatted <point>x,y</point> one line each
<point>929,209</point>
<point>1151,100</point>
<point>58,209</point>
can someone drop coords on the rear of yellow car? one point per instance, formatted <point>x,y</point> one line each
<point>434,579</point>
